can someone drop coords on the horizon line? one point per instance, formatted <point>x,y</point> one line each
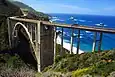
<point>79,14</point>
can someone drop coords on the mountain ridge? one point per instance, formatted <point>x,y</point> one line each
<point>27,9</point>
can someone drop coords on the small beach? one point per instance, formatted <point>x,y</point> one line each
<point>68,46</point>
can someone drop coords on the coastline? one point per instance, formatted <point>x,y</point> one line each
<point>68,46</point>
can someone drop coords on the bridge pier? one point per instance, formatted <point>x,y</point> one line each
<point>37,52</point>
<point>94,42</point>
<point>99,42</point>
<point>9,32</point>
<point>45,45</point>
<point>55,42</point>
<point>72,41</point>
<point>78,41</point>
<point>62,52</point>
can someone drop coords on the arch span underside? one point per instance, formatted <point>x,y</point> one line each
<point>24,44</point>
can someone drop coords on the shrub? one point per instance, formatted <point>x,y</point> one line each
<point>100,69</point>
<point>13,66</point>
<point>81,72</point>
<point>93,64</point>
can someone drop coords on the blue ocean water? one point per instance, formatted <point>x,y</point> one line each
<point>86,37</point>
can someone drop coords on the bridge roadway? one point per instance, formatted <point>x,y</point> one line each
<point>88,28</point>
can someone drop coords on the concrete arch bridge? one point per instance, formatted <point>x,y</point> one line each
<point>39,38</point>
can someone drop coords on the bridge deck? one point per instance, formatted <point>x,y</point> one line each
<point>88,28</point>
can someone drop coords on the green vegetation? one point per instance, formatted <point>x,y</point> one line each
<point>100,69</point>
<point>13,66</point>
<point>80,65</point>
<point>84,65</point>
<point>3,34</point>
<point>81,72</point>
<point>11,10</point>
<point>88,64</point>
<point>58,49</point>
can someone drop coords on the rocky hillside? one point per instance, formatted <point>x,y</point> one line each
<point>22,5</point>
<point>31,12</point>
<point>7,9</point>
<point>14,66</point>
<point>10,8</point>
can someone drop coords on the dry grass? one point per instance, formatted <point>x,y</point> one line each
<point>13,66</point>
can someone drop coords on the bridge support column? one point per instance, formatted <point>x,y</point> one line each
<point>8,22</point>
<point>44,46</point>
<point>38,56</point>
<point>31,30</point>
<point>78,41</point>
<point>100,42</point>
<point>55,40</point>
<point>94,42</point>
<point>72,41</point>
<point>61,53</point>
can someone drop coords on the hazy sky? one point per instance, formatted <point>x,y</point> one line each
<point>98,7</point>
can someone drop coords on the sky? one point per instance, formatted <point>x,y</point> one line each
<point>93,7</point>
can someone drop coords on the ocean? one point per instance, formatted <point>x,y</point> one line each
<point>86,37</point>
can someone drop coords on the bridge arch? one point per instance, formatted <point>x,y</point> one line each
<point>26,33</point>
<point>17,26</point>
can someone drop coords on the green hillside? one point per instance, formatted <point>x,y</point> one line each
<point>22,5</point>
<point>27,8</point>
<point>83,65</point>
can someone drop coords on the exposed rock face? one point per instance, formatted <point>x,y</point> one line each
<point>32,15</point>
<point>7,9</point>
<point>30,12</point>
